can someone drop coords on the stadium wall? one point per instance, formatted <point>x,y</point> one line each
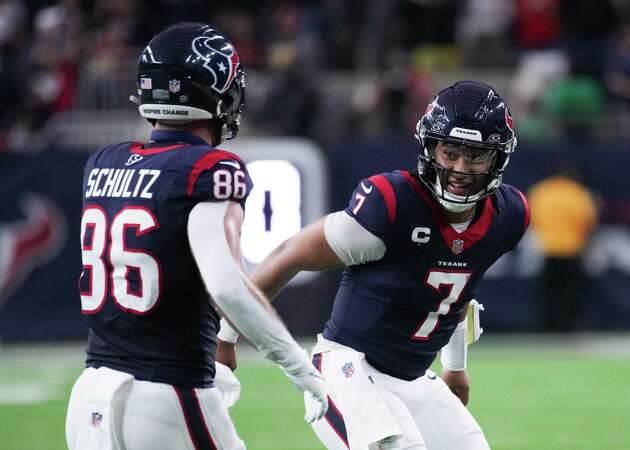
<point>40,255</point>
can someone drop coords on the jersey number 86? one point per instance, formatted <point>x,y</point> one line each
<point>95,227</point>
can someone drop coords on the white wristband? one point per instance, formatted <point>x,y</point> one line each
<point>227,333</point>
<point>453,354</point>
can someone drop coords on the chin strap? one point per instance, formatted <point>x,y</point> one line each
<point>449,205</point>
<point>455,207</point>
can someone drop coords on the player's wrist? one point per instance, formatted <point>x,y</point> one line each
<point>227,333</point>
<point>295,362</point>
<point>297,366</point>
<point>458,371</point>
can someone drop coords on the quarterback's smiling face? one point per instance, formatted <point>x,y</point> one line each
<point>461,164</point>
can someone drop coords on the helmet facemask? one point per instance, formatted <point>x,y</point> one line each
<point>466,114</point>
<point>230,107</point>
<point>438,178</point>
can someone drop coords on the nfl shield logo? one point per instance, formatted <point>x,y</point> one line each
<point>458,245</point>
<point>174,86</point>
<point>348,369</point>
<point>97,418</point>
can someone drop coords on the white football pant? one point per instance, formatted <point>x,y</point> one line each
<point>110,410</point>
<point>370,410</point>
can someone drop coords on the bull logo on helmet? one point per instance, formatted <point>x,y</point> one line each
<point>220,59</point>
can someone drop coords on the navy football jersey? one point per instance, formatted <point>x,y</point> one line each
<point>148,311</point>
<point>402,309</point>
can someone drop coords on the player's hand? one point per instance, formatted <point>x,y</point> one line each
<point>308,380</point>
<point>458,382</point>
<point>228,385</point>
<point>226,354</point>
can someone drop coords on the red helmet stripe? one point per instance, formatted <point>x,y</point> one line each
<point>508,120</point>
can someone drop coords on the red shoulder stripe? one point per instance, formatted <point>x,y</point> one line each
<point>527,212</point>
<point>206,162</point>
<point>386,189</point>
<point>136,147</point>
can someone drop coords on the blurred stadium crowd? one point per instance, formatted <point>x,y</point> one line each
<point>321,69</point>
<point>353,76</point>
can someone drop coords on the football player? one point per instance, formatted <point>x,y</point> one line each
<point>415,246</point>
<point>160,239</point>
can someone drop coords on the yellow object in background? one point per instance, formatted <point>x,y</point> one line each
<point>473,325</point>
<point>563,215</point>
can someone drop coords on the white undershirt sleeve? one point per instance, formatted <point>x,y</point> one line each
<point>226,283</point>
<point>350,241</point>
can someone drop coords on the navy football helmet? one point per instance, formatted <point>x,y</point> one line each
<point>189,72</point>
<point>466,113</point>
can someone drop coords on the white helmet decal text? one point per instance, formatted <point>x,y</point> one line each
<point>465,133</point>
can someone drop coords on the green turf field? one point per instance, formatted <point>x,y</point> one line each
<point>528,394</point>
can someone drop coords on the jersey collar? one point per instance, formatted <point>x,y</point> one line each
<point>176,136</point>
<point>457,242</point>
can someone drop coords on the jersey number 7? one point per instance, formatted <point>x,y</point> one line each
<point>436,279</point>
<point>123,261</point>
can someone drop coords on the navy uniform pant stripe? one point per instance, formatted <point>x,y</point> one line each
<point>197,428</point>
<point>317,361</point>
<point>333,416</point>
<point>335,420</point>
